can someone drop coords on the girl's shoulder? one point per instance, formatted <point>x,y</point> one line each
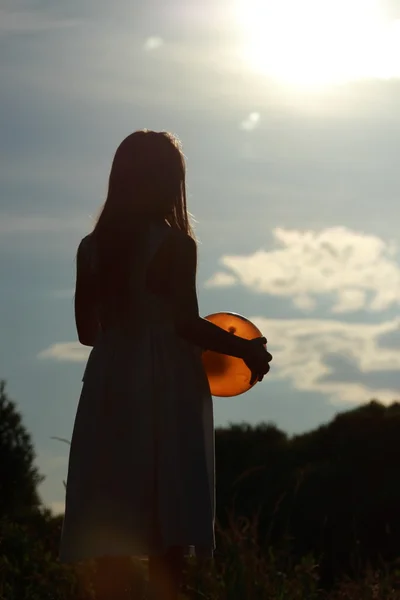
<point>86,255</point>
<point>172,239</point>
<point>183,252</point>
<point>182,240</point>
<point>179,249</point>
<point>176,253</point>
<point>85,244</point>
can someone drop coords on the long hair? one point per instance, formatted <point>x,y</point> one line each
<point>147,181</point>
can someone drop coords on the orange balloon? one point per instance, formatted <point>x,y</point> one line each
<point>228,375</point>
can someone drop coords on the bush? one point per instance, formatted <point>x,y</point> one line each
<point>29,569</point>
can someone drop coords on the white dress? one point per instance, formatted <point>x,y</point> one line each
<point>141,466</point>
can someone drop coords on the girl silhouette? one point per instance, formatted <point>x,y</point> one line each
<point>141,466</point>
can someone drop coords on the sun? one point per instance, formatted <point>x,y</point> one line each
<point>318,42</point>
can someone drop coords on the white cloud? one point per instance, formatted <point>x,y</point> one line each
<point>221,279</point>
<point>361,271</point>
<point>350,300</point>
<point>304,350</point>
<point>304,302</point>
<point>153,43</point>
<point>251,121</point>
<point>66,351</point>
<point>301,348</point>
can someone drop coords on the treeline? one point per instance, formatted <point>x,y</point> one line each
<point>333,493</point>
<point>329,497</point>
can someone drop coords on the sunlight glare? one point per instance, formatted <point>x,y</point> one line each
<point>319,42</point>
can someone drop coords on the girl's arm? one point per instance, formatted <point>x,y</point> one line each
<point>188,322</point>
<point>85,311</point>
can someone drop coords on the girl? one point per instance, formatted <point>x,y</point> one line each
<point>141,465</point>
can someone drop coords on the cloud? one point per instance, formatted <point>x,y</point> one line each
<point>303,351</point>
<point>153,43</point>
<point>221,279</point>
<point>360,271</point>
<point>340,360</point>
<point>250,122</point>
<point>304,302</point>
<point>66,351</point>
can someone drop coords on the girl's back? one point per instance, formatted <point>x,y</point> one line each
<point>145,418</point>
<point>147,300</point>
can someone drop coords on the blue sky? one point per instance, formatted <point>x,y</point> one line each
<point>292,153</point>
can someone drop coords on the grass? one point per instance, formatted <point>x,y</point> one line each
<point>242,571</point>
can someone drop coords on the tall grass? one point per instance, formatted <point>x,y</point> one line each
<point>241,570</point>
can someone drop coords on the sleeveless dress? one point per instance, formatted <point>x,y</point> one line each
<point>141,474</point>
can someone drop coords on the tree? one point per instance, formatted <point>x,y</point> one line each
<point>332,493</point>
<point>19,477</point>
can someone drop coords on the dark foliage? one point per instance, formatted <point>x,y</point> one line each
<point>19,477</point>
<point>296,516</point>
<point>333,493</point>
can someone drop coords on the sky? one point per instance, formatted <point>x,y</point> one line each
<point>288,116</point>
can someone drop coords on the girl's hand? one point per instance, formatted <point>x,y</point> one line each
<point>258,359</point>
